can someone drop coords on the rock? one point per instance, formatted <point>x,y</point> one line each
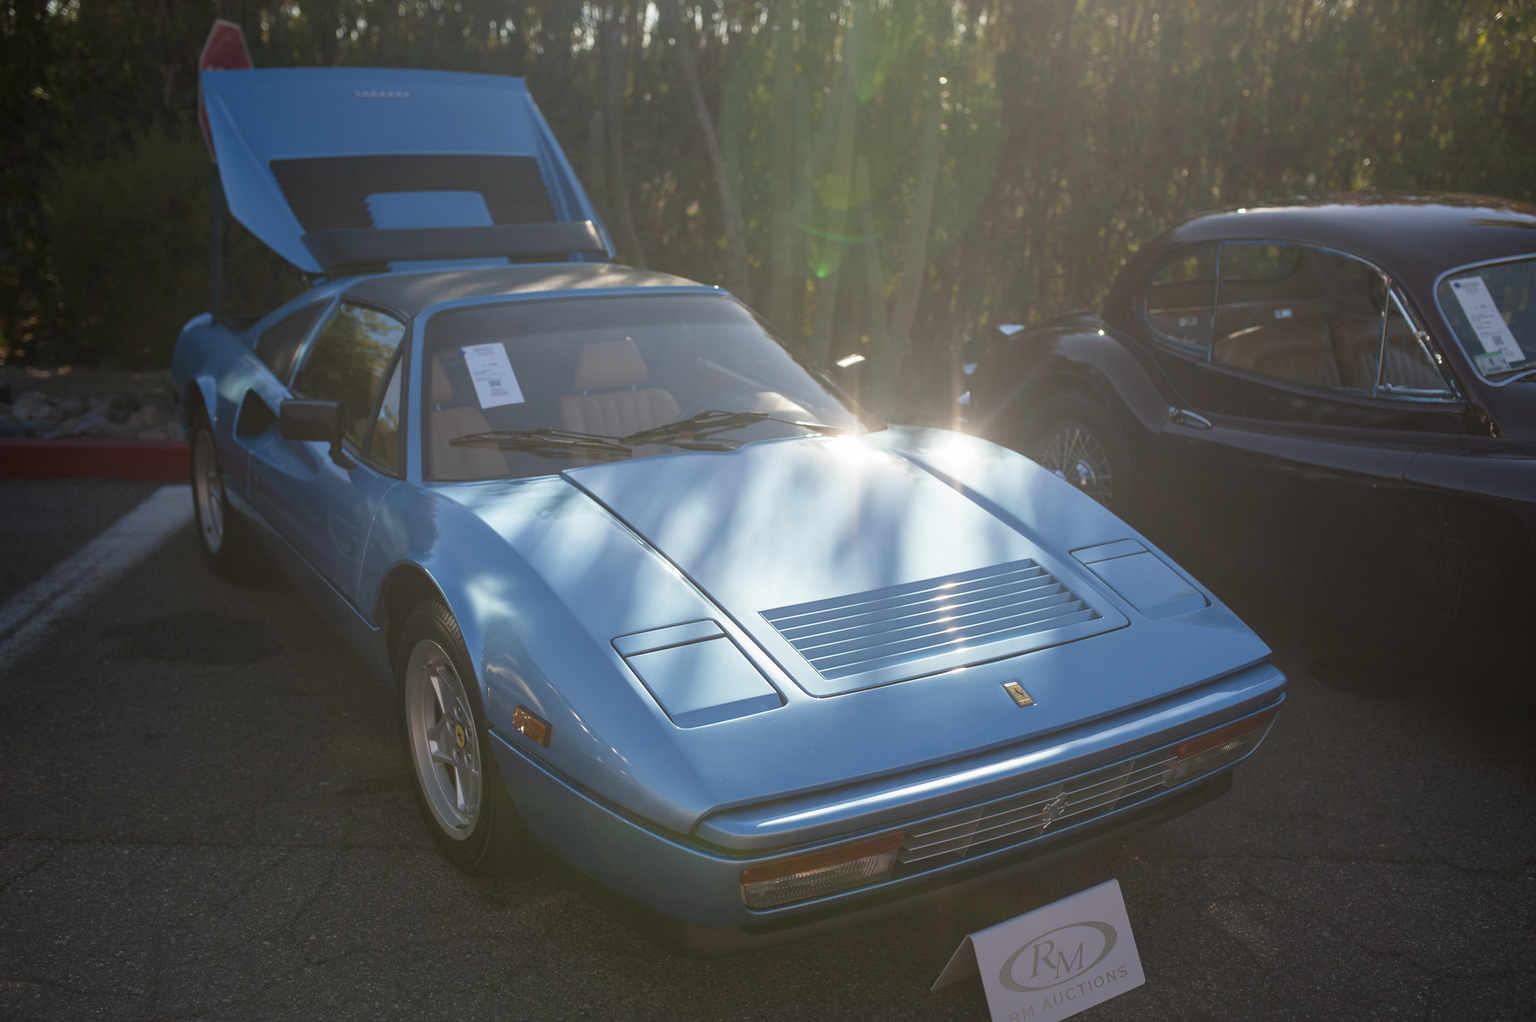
<point>70,407</point>
<point>123,405</point>
<point>109,430</point>
<point>164,431</point>
<point>73,426</point>
<point>33,405</point>
<point>95,404</point>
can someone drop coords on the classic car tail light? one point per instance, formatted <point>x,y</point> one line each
<point>1218,748</point>
<point>816,874</point>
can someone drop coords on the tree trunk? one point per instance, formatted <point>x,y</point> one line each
<point>839,190</point>
<point>914,270</point>
<point>597,164</point>
<point>617,182</point>
<point>874,286</point>
<point>783,273</point>
<point>735,235</point>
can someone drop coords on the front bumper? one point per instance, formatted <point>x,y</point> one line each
<point>691,888</point>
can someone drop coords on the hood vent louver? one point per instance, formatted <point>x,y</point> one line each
<point>884,629</point>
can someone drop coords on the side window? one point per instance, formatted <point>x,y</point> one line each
<point>347,363</point>
<point>1407,370</point>
<point>278,345</point>
<point>384,442</point>
<point>1180,298</point>
<point>1299,314</point>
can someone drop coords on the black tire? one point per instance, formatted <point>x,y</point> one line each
<point>447,746</point>
<point>1076,437</point>
<point>225,538</point>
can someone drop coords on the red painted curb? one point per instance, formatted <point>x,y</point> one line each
<point>89,458</point>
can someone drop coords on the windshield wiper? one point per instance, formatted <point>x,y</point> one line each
<point>1515,374</point>
<point>714,421</point>
<point>690,433</point>
<point>544,441</point>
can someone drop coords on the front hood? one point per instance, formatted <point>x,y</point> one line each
<point>847,563</point>
<point>600,566</point>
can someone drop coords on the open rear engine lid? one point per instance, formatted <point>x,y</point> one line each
<point>338,167</point>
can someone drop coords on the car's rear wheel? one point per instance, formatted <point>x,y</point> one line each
<point>458,789</point>
<point>226,542</point>
<point>1076,438</point>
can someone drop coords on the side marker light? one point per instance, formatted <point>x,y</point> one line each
<point>1215,750</point>
<point>531,726</point>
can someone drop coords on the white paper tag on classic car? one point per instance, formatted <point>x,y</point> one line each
<point>1486,319</point>
<point>1055,961</point>
<point>491,373</point>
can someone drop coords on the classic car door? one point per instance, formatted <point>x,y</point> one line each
<point>1304,395</point>
<point>323,507</point>
<point>255,412</point>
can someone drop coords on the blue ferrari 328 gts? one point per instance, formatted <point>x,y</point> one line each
<point>651,591</point>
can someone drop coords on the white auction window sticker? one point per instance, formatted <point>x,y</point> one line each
<point>1055,961</point>
<point>495,383</point>
<point>1487,322</point>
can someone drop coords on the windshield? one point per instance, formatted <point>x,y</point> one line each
<point>533,387</point>
<point>1492,310</point>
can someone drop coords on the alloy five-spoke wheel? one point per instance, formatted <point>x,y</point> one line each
<point>462,798</point>
<point>444,742</point>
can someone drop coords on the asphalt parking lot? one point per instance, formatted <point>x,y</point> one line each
<point>203,814</point>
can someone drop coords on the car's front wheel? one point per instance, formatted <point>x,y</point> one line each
<point>1077,439</point>
<point>447,744</point>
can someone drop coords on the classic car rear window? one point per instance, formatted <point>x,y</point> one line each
<point>1180,297</point>
<point>1492,311</point>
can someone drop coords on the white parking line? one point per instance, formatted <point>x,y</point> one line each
<point>26,619</point>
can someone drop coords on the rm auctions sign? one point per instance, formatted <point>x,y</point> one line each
<point>1055,961</point>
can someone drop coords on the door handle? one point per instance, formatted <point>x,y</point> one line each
<point>1187,418</point>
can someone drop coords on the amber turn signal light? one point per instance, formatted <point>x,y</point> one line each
<point>531,726</point>
<point>1218,748</point>
<point>816,874</point>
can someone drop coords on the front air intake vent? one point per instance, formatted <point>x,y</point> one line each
<point>873,632</point>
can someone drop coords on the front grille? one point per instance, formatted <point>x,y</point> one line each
<point>1023,816</point>
<point>865,632</point>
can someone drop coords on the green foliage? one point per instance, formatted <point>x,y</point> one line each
<point>1071,130</point>
<point>128,237</point>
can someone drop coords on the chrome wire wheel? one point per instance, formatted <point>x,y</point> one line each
<point>444,743</point>
<point>1074,453</point>
<point>208,492</point>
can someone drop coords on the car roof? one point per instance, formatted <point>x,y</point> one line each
<point>410,293</point>
<point>1411,237</point>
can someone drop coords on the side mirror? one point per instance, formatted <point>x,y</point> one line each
<point>314,420</point>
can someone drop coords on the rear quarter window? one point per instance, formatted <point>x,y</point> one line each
<point>1180,297</point>
<point>279,344</point>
